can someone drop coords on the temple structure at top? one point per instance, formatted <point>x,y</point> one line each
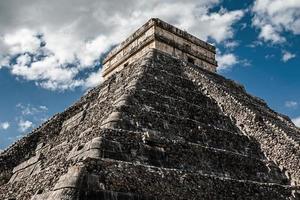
<point>157,34</point>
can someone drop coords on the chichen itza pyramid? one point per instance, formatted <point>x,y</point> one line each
<point>162,126</point>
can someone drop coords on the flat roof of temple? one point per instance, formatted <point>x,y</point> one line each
<point>164,25</point>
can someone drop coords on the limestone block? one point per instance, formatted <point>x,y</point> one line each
<point>13,177</point>
<point>60,146</point>
<point>71,179</point>
<point>85,133</point>
<point>27,163</point>
<point>39,148</point>
<point>25,169</point>
<point>91,149</point>
<point>103,99</point>
<point>132,84</point>
<point>73,121</point>
<point>67,181</point>
<point>103,91</point>
<point>42,196</point>
<point>29,167</point>
<point>95,143</point>
<point>77,150</point>
<point>120,103</point>
<point>65,188</point>
<point>113,117</point>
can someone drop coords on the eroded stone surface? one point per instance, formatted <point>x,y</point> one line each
<point>158,129</point>
<point>73,121</point>
<point>91,149</point>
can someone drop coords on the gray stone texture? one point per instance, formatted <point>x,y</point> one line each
<point>158,129</point>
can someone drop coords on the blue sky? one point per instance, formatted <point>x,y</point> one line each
<point>50,52</point>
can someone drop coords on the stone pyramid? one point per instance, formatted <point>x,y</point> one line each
<point>160,128</point>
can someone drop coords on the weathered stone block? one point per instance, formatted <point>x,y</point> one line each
<point>71,179</point>
<point>73,121</point>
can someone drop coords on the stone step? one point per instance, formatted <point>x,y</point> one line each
<point>205,136</point>
<point>156,150</point>
<point>162,183</point>
<point>201,134</point>
<point>135,119</point>
<point>210,117</point>
<point>193,157</point>
<point>166,87</point>
<point>171,105</point>
<point>181,79</point>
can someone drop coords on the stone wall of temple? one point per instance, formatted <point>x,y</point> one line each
<point>156,34</point>
<point>130,55</point>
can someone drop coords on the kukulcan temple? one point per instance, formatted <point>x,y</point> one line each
<point>163,125</point>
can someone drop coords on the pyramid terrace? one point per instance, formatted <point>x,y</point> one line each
<point>157,34</point>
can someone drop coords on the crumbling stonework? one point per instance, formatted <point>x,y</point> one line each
<point>161,128</point>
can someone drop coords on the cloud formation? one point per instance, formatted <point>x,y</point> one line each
<point>291,104</point>
<point>62,51</point>
<point>4,125</point>
<point>273,17</point>
<point>24,125</point>
<point>28,109</point>
<point>226,61</point>
<point>286,56</point>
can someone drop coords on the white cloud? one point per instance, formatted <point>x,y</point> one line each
<point>245,62</point>
<point>23,40</point>
<point>255,44</point>
<point>55,50</point>
<point>273,17</point>
<point>23,60</point>
<point>4,61</point>
<point>296,121</point>
<point>24,125</point>
<point>4,125</point>
<point>268,33</point>
<point>49,73</point>
<point>218,25</point>
<point>291,104</point>
<point>28,109</point>
<point>226,61</point>
<point>94,79</point>
<point>231,44</point>
<point>44,108</point>
<point>286,56</point>
<point>34,114</point>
